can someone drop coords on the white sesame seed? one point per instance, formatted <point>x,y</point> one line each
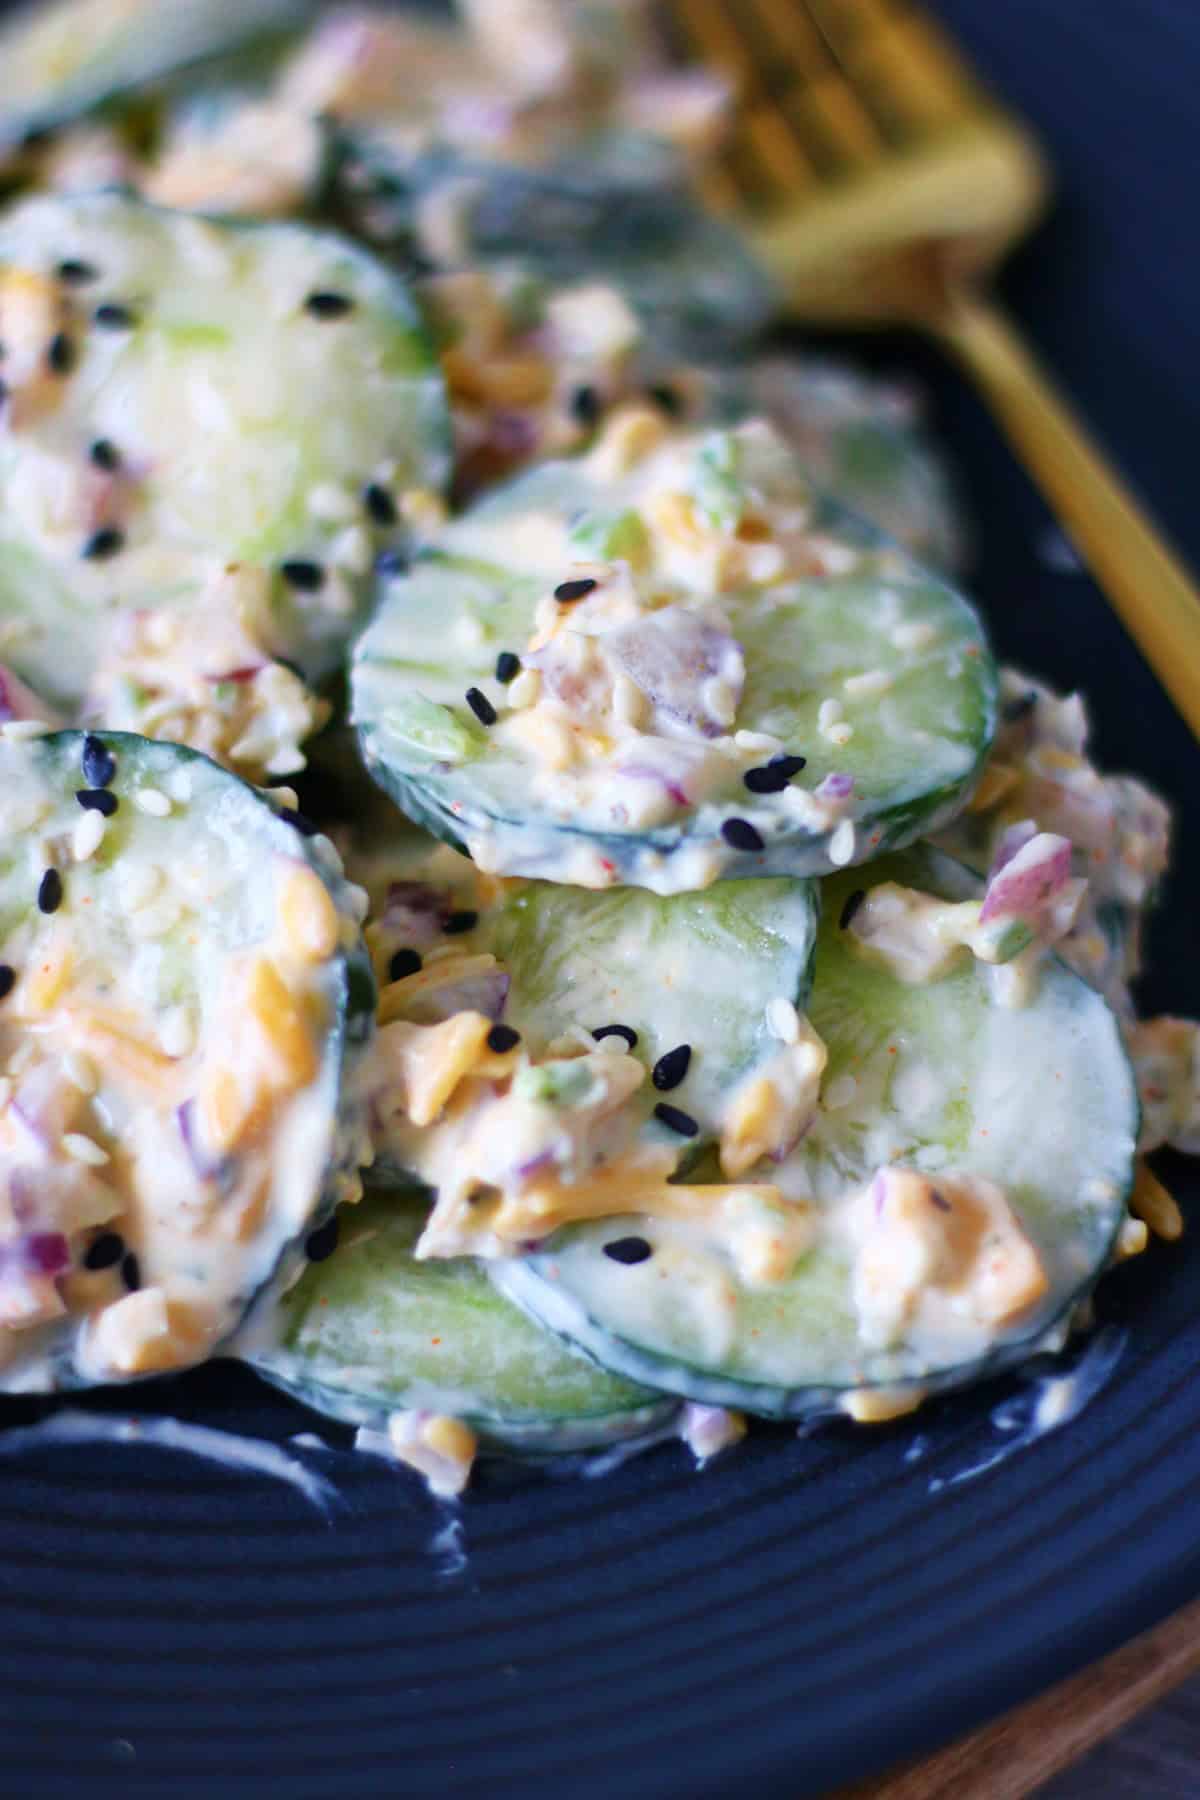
<point>139,882</point>
<point>841,845</point>
<point>88,835</point>
<point>468,631</point>
<point>914,634</point>
<point>840,733</point>
<point>525,689</point>
<point>154,921</point>
<point>783,1021</point>
<point>81,1071</point>
<point>868,684</point>
<point>828,713</point>
<point>351,550</point>
<point>177,1033</point>
<point>720,699</point>
<point>18,729</point>
<point>840,1092</point>
<point>332,504</point>
<point>757,740</point>
<point>84,1149</point>
<point>152,801</point>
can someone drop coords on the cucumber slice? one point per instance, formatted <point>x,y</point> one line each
<point>939,1078</point>
<point>613,209</point>
<point>244,383</point>
<point>63,59</point>
<point>695,969</point>
<point>700,970</point>
<point>901,654</point>
<point>186,1000</point>
<point>372,1331</point>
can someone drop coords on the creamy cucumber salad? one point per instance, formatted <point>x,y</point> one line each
<point>640,1013</point>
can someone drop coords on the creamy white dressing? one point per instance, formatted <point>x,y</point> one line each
<point>71,1428</point>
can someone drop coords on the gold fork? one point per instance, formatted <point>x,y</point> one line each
<point>881,184</point>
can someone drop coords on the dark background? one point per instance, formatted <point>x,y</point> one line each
<point>808,1610</point>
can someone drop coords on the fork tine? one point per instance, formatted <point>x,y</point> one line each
<point>811,90</point>
<point>897,59</point>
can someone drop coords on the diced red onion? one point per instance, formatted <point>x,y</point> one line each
<point>46,1252</point>
<point>671,655</point>
<point>835,787</point>
<point>1012,841</point>
<point>485,993</point>
<point>1030,880</point>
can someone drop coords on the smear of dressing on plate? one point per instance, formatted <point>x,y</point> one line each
<point>230,1450</point>
<point>1048,1402</point>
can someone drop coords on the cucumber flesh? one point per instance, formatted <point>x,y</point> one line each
<point>940,1079</point>
<point>61,60</point>
<point>372,1331</point>
<point>875,672</point>
<point>236,376</point>
<point>186,1002</point>
<point>690,973</point>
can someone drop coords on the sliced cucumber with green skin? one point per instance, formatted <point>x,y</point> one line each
<point>372,1331</point>
<point>614,210</point>
<point>691,969</point>
<point>186,1003</point>
<point>693,974</point>
<point>245,384</point>
<point>938,1078</point>
<point>919,735</point>
<point>63,59</point>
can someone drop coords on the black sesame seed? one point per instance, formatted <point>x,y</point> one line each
<point>105,1251</point>
<point>584,405</point>
<point>774,776</point>
<point>850,909</point>
<point>481,706</point>
<point>458,922</point>
<point>103,544</point>
<point>105,456</point>
<point>622,1031</point>
<point>322,1242</point>
<point>298,821</point>
<point>8,979</point>
<point>98,763</point>
<point>97,800</point>
<point>404,962</point>
<point>739,834</point>
<point>1019,708</point>
<point>502,1038</point>
<point>74,273</point>
<point>114,318</point>
<point>676,1119</point>
<point>131,1271</point>
<point>574,590</point>
<point>508,666</point>
<point>379,504</point>
<point>670,1069</point>
<point>307,577</point>
<point>50,891</point>
<point>60,354</point>
<point>666,397</point>
<point>628,1250</point>
<point>327,305</point>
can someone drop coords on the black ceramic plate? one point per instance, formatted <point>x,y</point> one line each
<point>809,1609</point>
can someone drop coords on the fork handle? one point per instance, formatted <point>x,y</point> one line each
<point>1145,582</point>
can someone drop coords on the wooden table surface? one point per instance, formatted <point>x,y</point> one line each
<point>1126,1729</point>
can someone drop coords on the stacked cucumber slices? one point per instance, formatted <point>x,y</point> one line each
<point>603,1043</point>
